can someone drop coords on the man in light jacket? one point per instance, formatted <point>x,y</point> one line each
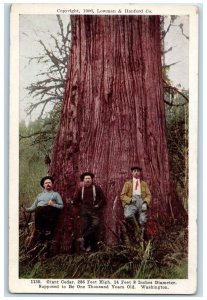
<point>136,197</point>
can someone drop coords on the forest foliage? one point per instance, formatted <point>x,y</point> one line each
<point>163,257</point>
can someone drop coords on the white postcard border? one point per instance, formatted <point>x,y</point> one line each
<point>181,286</point>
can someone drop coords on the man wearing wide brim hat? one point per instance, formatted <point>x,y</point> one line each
<point>91,199</point>
<point>136,197</point>
<point>46,207</point>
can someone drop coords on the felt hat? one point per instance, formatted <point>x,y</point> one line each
<point>86,174</point>
<point>44,178</point>
<point>136,168</point>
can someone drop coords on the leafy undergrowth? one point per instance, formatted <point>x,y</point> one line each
<point>163,257</point>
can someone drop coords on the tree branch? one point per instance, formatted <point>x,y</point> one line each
<point>172,64</point>
<point>32,134</point>
<point>176,90</point>
<point>173,104</point>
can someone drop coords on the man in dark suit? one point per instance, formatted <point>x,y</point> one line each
<point>91,199</point>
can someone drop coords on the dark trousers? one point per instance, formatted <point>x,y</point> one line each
<point>46,219</point>
<point>91,224</point>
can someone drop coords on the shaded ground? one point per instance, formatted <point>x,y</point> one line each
<point>164,257</point>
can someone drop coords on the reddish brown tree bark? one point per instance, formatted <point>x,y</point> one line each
<point>113,116</point>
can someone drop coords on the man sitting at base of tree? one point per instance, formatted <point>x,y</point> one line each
<point>92,199</point>
<point>136,197</point>
<point>46,207</point>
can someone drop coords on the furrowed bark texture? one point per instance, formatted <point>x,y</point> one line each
<point>113,117</point>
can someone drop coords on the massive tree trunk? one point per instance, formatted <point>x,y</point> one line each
<point>113,117</point>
